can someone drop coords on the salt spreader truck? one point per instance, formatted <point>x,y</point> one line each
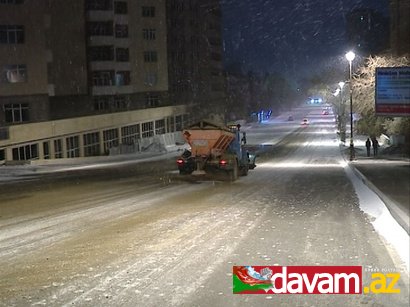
<point>215,149</point>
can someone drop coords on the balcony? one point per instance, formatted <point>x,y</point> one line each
<point>110,65</point>
<point>111,90</point>
<point>100,15</point>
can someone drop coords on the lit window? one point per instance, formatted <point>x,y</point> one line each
<point>14,74</point>
<point>122,78</point>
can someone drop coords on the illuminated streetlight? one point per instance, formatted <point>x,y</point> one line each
<point>350,57</point>
<point>341,113</point>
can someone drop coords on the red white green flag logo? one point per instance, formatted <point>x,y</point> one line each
<point>297,279</point>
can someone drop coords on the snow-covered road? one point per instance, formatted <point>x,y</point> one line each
<point>129,236</point>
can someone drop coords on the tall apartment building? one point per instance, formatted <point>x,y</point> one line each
<point>367,31</point>
<point>80,77</point>
<point>195,53</point>
<point>400,26</point>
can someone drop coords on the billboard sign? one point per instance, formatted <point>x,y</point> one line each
<point>392,95</point>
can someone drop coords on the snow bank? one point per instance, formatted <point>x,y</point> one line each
<point>381,218</point>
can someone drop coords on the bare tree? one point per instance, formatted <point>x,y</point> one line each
<point>364,101</point>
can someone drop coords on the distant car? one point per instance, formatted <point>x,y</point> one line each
<point>290,118</point>
<point>305,122</point>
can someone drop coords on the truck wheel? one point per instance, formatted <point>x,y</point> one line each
<point>233,173</point>
<point>244,170</point>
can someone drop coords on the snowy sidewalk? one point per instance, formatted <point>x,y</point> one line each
<point>388,175</point>
<point>11,173</point>
<point>382,186</point>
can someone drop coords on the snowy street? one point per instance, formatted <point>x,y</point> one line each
<point>137,234</point>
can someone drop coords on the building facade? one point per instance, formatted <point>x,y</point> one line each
<point>82,77</point>
<point>367,31</point>
<point>195,57</point>
<point>400,27</point>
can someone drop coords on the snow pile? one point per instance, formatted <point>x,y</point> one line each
<point>382,220</point>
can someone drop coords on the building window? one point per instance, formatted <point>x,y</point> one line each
<point>120,103</point>
<point>58,149</point>
<point>14,73</point>
<point>27,152</point>
<point>120,7</point>
<point>160,126</point>
<point>100,28</point>
<point>178,56</point>
<point>152,101</point>
<point>171,124</point>
<point>101,103</point>
<point>110,139</point>
<point>101,53</point>
<point>177,6</point>
<point>150,56</point>
<point>121,31</point>
<point>149,34</point>
<point>73,147</point>
<point>46,150</point>
<point>148,11</point>
<point>2,154</point>
<point>103,78</point>
<point>4,133</point>
<point>122,78</point>
<point>147,129</point>
<point>11,34</point>
<point>122,55</point>
<point>151,79</point>
<point>11,1</point>
<point>91,144</point>
<point>130,134</point>
<point>16,112</point>
<point>98,5</point>
<point>179,123</point>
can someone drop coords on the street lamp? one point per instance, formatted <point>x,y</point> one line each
<point>341,121</point>
<point>350,57</point>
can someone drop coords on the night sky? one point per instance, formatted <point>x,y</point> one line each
<point>293,37</point>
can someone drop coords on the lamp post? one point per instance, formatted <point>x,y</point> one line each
<point>350,57</point>
<point>342,114</point>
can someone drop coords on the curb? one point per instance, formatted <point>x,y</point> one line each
<point>399,215</point>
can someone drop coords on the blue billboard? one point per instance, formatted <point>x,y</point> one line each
<point>392,96</point>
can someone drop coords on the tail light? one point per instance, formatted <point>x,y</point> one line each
<point>180,161</point>
<point>223,162</point>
